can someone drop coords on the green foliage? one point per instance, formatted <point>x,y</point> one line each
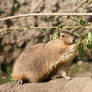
<point>88,3</point>
<point>89,41</point>
<point>1,33</point>
<point>82,22</point>
<point>43,32</point>
<point>81,50</point>
<point>85,42</point>
<point>5,76</point>
<point>9,71</point>
<point>56,34</point>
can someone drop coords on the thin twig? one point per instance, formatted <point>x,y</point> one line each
<point>16,28</point>
<point>46,14</point>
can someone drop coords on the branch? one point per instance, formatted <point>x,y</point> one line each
<point>16,28</point>
<point>46,14</point>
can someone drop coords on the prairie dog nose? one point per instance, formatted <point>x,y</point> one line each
<point>72,40</point>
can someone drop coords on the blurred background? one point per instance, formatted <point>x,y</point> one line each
<point>17,34</point>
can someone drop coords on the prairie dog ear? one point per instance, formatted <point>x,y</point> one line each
<point>66,32</point>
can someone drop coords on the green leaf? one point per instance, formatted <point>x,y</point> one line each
<point>89,41</point>
<point>81,50</point>
<point>43,31</point>
<point>1,33</point>
<point>82,22</point>
<point>89,2</point>
<point>90,35</point>
<point>56,34</point>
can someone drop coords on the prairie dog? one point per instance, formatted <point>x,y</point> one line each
<point>36,63</point>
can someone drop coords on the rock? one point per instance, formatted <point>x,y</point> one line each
<point>14,43</point>
<point>6,7</point>
<point>56,85</point>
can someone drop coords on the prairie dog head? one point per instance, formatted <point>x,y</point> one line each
<point>67,37</point>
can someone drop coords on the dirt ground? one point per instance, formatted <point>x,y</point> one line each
<point>56,85</point>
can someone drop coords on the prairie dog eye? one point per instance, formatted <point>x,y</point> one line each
<point>63,36</point>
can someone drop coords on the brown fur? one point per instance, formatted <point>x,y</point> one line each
<point>36,63</point>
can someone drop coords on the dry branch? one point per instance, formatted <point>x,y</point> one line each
<point>46,14</point>
<point>16,28</point>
